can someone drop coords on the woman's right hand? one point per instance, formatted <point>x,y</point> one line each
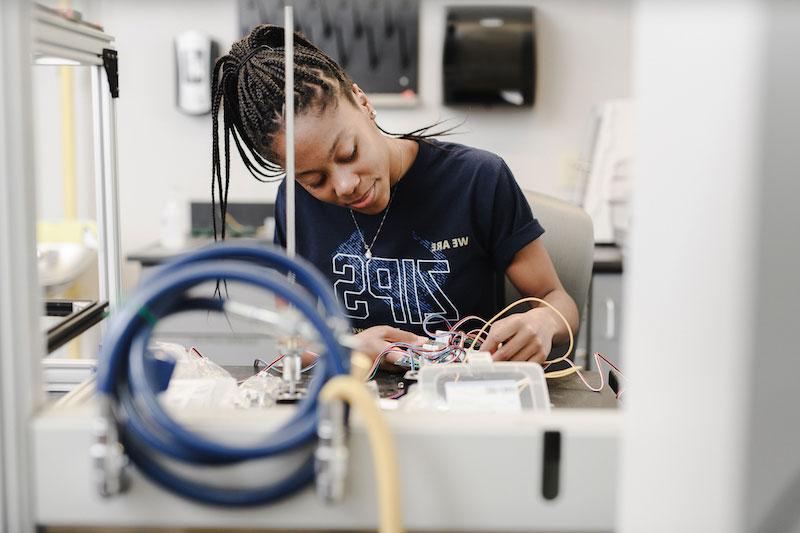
<point>376,339</point>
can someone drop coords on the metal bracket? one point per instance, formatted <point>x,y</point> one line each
<point>109,459</point>
<point>331,456</point>
<point>112,71</point>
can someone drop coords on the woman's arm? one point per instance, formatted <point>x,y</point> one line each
<point>531,335</point>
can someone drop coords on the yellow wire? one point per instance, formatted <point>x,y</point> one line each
<point>562,373</point>
<point>352,390</point>
<point>555,374</point>
<point>360,365</point>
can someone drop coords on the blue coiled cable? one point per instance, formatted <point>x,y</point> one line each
<point>125,374</point>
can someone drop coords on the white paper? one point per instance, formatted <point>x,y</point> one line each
<point>493,396</point>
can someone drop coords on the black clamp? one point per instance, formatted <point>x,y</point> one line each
<point>112,72</point>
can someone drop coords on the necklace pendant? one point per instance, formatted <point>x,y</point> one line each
<point>368,254</point>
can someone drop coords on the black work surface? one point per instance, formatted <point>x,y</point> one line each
<point>567,392</point>
<point>570,392</point>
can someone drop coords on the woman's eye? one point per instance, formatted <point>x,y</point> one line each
<point>352,156</point>
<point>316,183</point>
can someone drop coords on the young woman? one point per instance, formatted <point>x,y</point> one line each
<point>404,226</point>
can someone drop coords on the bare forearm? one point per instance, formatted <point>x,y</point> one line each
<point>530,336</point>
<point>559,299</point>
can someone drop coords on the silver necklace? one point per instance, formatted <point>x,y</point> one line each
<point>368,248</point>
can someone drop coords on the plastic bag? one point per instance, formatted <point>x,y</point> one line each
<point>196,381</point>
<point>260,390</point>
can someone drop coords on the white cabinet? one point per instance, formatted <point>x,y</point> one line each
<point>604,314</point>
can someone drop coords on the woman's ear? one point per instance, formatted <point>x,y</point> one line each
<point>363,101</point>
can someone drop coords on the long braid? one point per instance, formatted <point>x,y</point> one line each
<point>249,90</point>
<point>215,168</point>
<point>224,200</point>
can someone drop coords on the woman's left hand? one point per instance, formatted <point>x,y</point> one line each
<point>522,337</point>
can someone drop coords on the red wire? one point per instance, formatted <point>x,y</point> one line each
<point>266,368</point>
<point>597,358</point>
<point>464,321</point>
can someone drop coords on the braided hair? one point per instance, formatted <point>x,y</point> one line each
<point>249,89</point>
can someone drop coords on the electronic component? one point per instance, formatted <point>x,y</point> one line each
<point>292,366</point>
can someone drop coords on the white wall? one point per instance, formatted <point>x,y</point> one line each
<point>48,146</point>
<point>162,152</point>
<point>583,56</point>
<point>711,428</point>
<point>688,323</point>
<point>773,464</point>
<point>47,114</point>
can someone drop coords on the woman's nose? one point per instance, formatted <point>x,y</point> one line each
<point>345,184</point>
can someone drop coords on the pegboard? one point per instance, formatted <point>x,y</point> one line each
<point>375,41</point>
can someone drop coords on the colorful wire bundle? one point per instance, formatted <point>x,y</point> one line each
<point>414,356</point>
<point>454,348</point>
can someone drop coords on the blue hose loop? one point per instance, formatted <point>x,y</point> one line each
<point>215,495</point>
<point>305,276</point>
<point>269,256</point>
<point>148,431</point>
<point>141,388</point>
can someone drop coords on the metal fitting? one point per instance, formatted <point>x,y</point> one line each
<point>292,366</point>
<point>109,459</point>
<point>331,455</point>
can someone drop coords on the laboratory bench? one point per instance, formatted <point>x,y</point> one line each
<point>565,393</point>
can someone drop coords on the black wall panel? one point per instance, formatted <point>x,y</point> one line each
<point>376,41</point>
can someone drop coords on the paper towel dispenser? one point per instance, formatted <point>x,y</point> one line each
<point>489,56</point>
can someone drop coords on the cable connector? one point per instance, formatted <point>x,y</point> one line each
<point>479,358</point>
<point>332,455</point>
<point>442,337</point>
<point>109,459</point>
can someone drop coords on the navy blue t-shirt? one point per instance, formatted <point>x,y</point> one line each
<point>457,219</point>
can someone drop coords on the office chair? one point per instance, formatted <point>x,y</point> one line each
<point>569,239</point>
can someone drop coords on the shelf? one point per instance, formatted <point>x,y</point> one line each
<point>58,40</point>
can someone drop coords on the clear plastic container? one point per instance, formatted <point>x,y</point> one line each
<point>480,385</point>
